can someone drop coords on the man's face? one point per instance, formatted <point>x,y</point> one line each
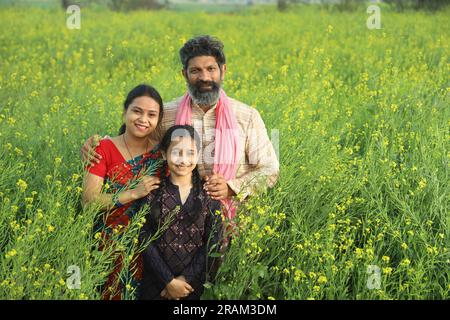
<point>204,79</point>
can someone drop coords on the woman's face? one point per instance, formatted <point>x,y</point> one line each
<point>181,156</point>
<point>141,117</point>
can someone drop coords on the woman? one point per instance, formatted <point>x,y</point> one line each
<point>125,158</point>
<point>176,265</point>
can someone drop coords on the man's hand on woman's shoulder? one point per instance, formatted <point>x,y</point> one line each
<point>87,151</point>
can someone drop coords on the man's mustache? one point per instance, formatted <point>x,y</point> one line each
<point>201,83</point>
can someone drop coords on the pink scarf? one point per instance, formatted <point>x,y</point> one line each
<point>226,144</point>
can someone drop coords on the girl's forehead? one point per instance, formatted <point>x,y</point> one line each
<point>185,141</point>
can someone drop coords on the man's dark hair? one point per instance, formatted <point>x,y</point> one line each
<point>202,46</point>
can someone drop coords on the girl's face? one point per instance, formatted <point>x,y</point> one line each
<point>141,117</point>
<point>181,156</point>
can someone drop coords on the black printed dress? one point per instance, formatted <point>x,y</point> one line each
<point>184,247</point>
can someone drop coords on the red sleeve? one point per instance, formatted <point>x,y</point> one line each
<point>100,169</point>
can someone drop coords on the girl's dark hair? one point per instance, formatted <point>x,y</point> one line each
<point>172,133</point>
<point>202,46</point>
<point>176,132</point>
<point>142,90</point>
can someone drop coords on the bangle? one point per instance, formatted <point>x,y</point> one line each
<point>115,200</point>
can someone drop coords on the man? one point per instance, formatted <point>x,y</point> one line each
<point>230,168</point>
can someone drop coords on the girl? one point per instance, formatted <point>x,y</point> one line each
<point>125,158</point>
<point>176,265</point>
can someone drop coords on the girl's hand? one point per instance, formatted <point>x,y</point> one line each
<point>178,289</point>
<point>147,185</point>
<point>165,294</point>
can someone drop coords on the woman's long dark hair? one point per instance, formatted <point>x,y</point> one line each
<point>171,134</point>
<point>142,90</point>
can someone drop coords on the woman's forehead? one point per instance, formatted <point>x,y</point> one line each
<point>145,103</point>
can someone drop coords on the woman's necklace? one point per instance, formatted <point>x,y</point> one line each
<point>128,149</point>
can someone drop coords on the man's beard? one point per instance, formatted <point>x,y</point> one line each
<point>204,98</point>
